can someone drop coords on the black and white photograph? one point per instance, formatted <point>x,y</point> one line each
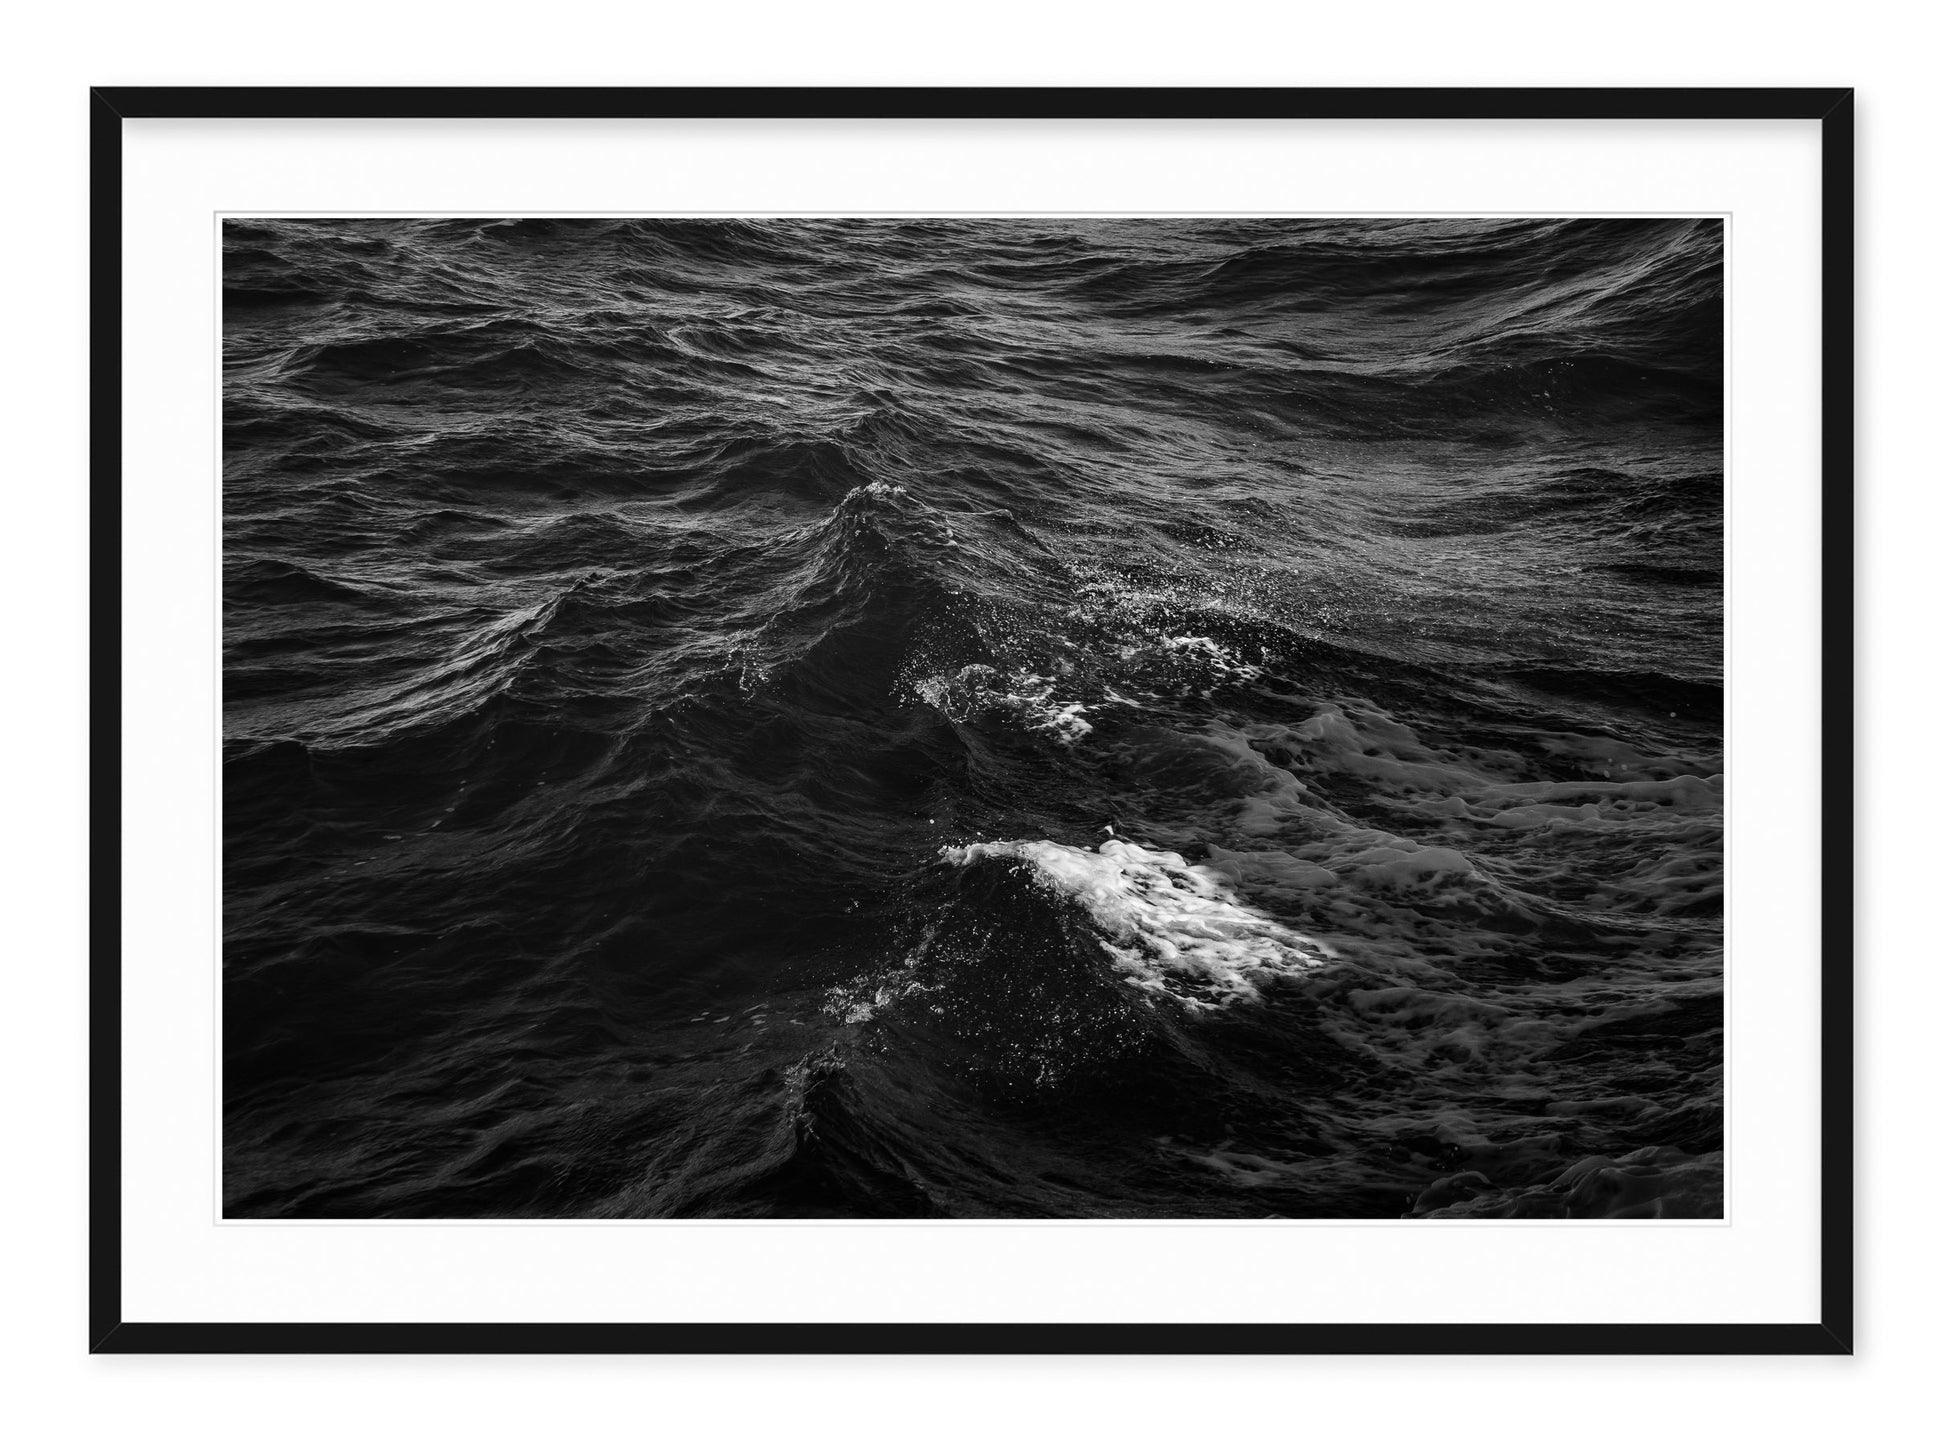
<point>972,717</point>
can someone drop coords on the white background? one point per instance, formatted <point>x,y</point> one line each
<point>72,1403</point>
<point>179,1267</point>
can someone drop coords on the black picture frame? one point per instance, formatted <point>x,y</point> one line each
<point>1831,108</point>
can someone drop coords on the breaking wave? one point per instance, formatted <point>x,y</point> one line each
<point>1171,928</point>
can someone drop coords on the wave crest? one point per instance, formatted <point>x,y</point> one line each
<point>1172,928</point>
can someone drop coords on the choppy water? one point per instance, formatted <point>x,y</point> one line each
<point>1047,717</point>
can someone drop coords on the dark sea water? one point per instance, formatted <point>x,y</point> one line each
<point>1052,717</point>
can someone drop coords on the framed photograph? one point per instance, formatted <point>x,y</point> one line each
<point>972,720</point>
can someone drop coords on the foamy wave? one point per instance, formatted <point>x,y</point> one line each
<point>1039,702</point>
<point>863,997</point>
<point>1028,697</point>
<point>1172,928</point>
<point>1213,658</point>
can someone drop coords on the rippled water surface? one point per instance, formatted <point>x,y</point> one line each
<point>1184,718</point>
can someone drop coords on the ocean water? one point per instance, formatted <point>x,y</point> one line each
<point>996,718</point>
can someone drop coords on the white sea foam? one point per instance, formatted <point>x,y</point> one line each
<point>863,997</point>
<point>1218,661</point>
<point>1029,697</point>
<point>1173,928</point>
<point>1038,701</point>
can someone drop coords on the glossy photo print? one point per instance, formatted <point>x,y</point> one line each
<point>972,718</point>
